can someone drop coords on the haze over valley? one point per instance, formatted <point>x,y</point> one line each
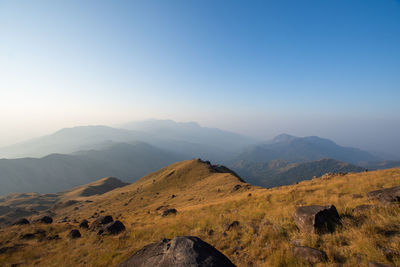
<point>200,133</point>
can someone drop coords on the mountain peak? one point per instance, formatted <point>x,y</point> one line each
<point>283,138</point>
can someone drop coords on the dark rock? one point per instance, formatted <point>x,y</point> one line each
<point>74,234</point>
<point>114,227</point>
<point>22,221</point>
<point>377,264</point>
<point>11,249</point>
<point>27,236</point>
<point>46,220</point>
<point>173,196</point>
<point>210,232</point>
<point>101,221</point>
<point>231,225</point>
<point>169,212</point>
<point>84,224</point>
<point>311,255</point>
<point>317,219</point>
<point>40,232</point>
<point>236,187</point>
<point>181,251</point>
<point>386,196</point>
<point>362,209</point>
<point>54,237</point>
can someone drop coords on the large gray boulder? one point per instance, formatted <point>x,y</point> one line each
<point>386,196</point>
<point>317,219</point>
<point>181,251</point>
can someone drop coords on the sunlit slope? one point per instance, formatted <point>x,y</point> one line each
<point>207,201</point>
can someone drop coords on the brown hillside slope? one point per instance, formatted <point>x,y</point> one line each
<point>206,204</point>
<point>98,187</point>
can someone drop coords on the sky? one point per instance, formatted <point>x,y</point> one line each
<point>260,68</point>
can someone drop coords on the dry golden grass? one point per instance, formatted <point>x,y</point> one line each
<point>205,202</point>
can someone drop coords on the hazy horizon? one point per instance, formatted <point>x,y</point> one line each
<point>330,69</point>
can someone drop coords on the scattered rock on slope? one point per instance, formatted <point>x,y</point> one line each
<point>84,224</point>
<point>386,196</point>
<point>317,219</point>
<point>311,255</point>
<point>74,234</point>
<point>181,251</point>
<point>46,220</point>
<point>21,222</point>
<point>114,227</point>
<point>168,212</point>
<point>101,221</point>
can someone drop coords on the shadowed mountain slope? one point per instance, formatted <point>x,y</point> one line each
<point>302,149</point>
<point>280,172</point>
<point>59,172</point>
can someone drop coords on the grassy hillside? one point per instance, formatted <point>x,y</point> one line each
<point>206,199</point>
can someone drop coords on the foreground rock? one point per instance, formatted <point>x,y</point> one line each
<point>113,228</point>
<point>46,220</point>
<point>311,255</point>
<point>74,234</point>
<point>181,251</point>
<point>101,221</point>
<point>84,224</point>
<point>386,196</point>
<point>317,219</point>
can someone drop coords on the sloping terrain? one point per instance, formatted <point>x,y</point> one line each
<point>17,206</point>
<point>96,188</point>
<point>280,172</point>
<point>252,226</point>
<point>58,172</point>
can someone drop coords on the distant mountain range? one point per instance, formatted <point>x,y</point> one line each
<point>57,172</point>
<point>184,138</point>
<point>75,156</point>
<point>280,172</point>
<point>302,149</point>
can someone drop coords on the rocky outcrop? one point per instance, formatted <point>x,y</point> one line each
<point>84,224</point>
<point>114,227</point>
<point>101,221</point>
<point>169,212</point>
<point>74,234</point>
<point>181,251</point>
<point>386,196</point>
<point>22,221</point>
<point>46,220</point>
<point>311,255</point>
<point>317,219</point>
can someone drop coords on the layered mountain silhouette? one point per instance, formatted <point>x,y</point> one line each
<point>58,172</point>
<point>184,138</point>
<point>280,172</point>
<point>78,155</point>
<point>302,149</point>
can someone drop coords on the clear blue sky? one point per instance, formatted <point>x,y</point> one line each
<point>329,68</point>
